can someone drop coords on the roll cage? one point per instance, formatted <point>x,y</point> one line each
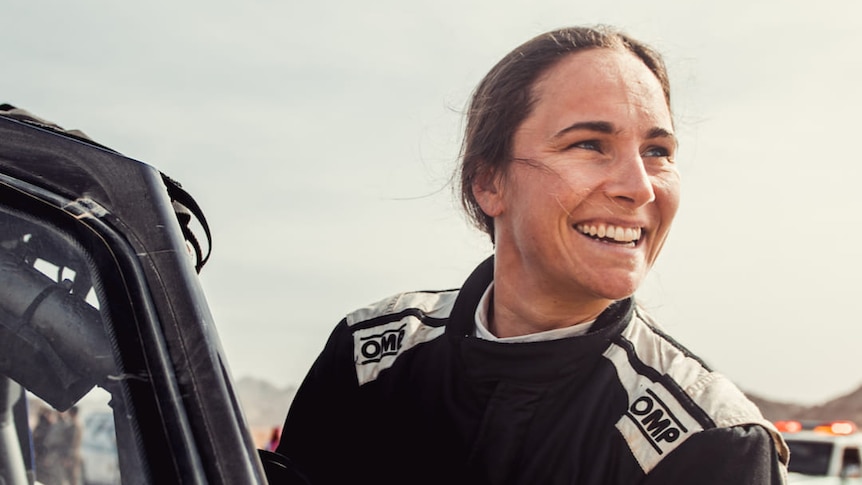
<point>99,289</point>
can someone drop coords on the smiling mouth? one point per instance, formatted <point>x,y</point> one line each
<point>611,234</point>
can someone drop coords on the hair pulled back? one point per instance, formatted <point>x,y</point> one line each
<point>505,97</point>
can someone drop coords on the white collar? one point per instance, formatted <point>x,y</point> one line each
<point>483,333</point>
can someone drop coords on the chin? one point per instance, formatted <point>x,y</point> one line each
<point>617,290</point>
<point>618,295</point>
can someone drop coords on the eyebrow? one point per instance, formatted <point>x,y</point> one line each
<point>661,133</point>
<point>599,126</point>
<point>608,128</point>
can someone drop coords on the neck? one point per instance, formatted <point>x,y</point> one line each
<point>522,307</point>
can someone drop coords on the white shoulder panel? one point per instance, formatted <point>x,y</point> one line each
<point>655,422</point>
<point>375,348</point>
<point>436,305</point>
<point>660,417</point>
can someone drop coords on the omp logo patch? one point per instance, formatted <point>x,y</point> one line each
<point>654,425</point>
<point>377,348</point>
<point>373,348</point>
<point>655,420</point>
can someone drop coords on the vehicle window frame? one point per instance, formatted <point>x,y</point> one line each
<point>148,381</point>
<point>851,462</point>
<point>820,446</point>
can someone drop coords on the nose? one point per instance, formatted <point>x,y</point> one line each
<point>629,183</point>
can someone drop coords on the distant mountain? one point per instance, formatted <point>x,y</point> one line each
<point>264,404</point>
<point>775,411</point>
<point>848,407</point>
<point>845,407</point>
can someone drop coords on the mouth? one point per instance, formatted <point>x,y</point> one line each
<point>624,236</point>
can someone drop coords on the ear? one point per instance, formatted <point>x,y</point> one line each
<point>488,190</point>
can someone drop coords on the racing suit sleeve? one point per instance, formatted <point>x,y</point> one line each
<point>741,455</point>
<point>318,431</point>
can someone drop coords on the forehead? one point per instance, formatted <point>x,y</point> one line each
<point>601,82</point>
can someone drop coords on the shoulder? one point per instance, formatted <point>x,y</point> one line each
<point>738,454</point>
<point>423,304</point>
<point>384,330</point>
<point>673,395</point>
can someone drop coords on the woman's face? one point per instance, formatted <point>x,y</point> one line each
<point>585,208</point>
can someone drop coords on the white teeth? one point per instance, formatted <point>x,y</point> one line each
<point>616,233</point>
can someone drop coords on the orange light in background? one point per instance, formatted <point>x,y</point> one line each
<point>788,426</point>
<point>836,428</point>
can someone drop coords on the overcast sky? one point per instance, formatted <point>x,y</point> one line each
<point>319,138</point>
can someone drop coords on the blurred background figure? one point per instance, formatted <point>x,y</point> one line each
<point>57,446</point>
<point>71,436</point>
<point>48,447</point>
<point>45,421</point>
<point>273,439</point>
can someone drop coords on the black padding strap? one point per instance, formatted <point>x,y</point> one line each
<point>179,197</point>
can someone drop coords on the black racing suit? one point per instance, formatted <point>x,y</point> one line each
<point>404,393</point>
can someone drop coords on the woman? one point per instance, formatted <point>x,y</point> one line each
<point>541,368</point>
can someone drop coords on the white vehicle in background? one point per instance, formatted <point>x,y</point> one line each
<point>823,452</point>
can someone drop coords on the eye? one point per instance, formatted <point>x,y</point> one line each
<point>593,145</point>
<point>657,152</point>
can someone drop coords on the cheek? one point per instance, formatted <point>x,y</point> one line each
<point>549,203</point>
<point>544,195</point>
<point>534,215</point>
<point>667,191</point>
<point>575,182</point>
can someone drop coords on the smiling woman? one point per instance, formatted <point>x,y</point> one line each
<point>599,156</point>
<point>541,368</point>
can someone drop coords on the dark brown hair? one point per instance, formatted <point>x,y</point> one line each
<point>505,97</point>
